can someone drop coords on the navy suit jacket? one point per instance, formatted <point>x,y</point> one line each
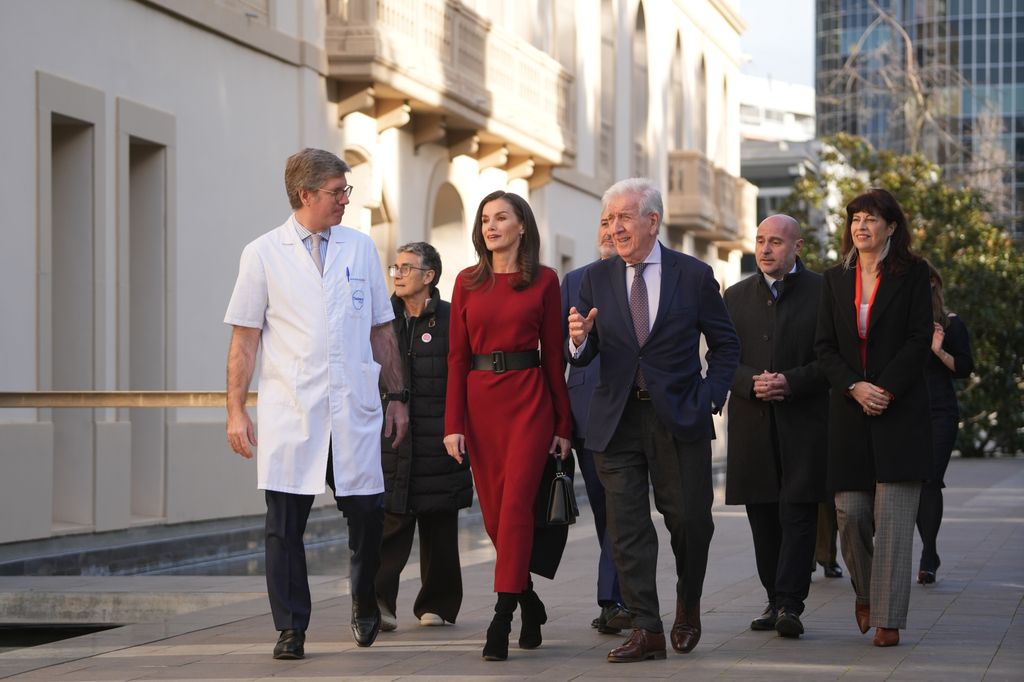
<point>690,305</point>
<point>581,380</point>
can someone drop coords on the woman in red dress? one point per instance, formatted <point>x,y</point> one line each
<point>507,402</point>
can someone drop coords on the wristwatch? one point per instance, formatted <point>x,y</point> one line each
<point>400,396</point>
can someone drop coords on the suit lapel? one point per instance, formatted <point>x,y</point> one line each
<point>888,286</point>
<point>845,292</point>
<point>618,284</point>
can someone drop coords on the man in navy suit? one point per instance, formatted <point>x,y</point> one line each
<point>650,416</point>
<point>582,380</point>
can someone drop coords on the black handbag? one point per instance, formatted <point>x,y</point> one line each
<point>551,530</point>
<point>561,508</point>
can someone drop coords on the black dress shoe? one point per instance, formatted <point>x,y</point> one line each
<point>925,577</point>
<point>832,569</point>
<point>290,645</point>
<point>365,621</point>
<point>613,619</point>
<point>766,621</point>
<point>788,624</point>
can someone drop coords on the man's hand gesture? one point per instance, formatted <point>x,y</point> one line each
<point>579,326</point>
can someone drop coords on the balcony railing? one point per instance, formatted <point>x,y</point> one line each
<point>746,216</point>
<point>708,201</point>
<point>691,202</point>
<point>439,58</point>
<point>725,202</point>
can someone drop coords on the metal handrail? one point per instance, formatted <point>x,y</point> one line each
<point>90,399</point>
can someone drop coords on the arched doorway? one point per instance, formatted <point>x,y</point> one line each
<point>449,235</point>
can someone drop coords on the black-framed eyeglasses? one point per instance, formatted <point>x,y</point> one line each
<point>404,269</point>
<point>337,194</point>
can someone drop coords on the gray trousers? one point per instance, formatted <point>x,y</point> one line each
<point>644,453</point>
<point>876,535</point>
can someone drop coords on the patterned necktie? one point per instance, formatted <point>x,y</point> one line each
<point>775,289</point>
<point>640,312</point>
<point>314,252</point>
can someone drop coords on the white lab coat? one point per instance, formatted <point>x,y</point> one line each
<point>318,378</point>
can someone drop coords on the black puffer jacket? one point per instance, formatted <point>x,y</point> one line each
<point>420,477</point>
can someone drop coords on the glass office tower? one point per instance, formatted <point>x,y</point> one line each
<point>945,78</point>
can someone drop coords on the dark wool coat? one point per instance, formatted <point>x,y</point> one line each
<point>778,336</point>
<point>897,445</point>
<point>420,477</point>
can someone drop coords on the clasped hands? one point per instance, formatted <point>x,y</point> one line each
<point>874,400</point>
<point>771,386</point>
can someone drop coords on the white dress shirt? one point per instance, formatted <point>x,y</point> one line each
<point>306,237</point>
<point>652,278</point>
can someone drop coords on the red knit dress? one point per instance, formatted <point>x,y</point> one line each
<point>508,419</point>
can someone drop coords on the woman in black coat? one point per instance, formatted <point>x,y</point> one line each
<point>423,486</point>
<point>874,330</point>
<point>950,359</point>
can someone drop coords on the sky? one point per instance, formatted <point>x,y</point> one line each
<point>779,40</point>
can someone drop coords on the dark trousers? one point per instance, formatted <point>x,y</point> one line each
<point>825,546</point>
<point>440,569</point>
<point>784,538</point>
<point>644,452</point>
<point>929,511</point>
<point>287,580</point>
<point>607,579</point>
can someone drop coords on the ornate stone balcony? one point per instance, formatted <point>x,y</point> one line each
<point>454,77</point>
<point>690,204</point>
<point>725,202</point>
<point>746,216</point>
<point>709,201</point>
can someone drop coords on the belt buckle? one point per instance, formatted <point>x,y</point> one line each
<point>498,361</point>
<point>642,394</point>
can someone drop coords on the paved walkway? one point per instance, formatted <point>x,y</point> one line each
<point>968,626</point>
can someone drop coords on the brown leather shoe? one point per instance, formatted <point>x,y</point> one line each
<point>641,645</point>
<point>863,615</point>
<point>886,637</point>
<point>686,629</point>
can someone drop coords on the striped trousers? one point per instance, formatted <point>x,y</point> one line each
<point>876,535</point>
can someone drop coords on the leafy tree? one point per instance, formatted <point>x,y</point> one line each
<point>982,268</point>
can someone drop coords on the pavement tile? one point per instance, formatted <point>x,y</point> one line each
<point>968,626</point>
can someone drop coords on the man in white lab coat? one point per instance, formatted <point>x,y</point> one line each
<point>314,294</point>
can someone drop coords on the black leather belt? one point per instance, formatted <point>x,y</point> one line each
<point>640,393</point>
<point>500,361</point>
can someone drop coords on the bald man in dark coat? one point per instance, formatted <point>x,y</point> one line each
<point>778,413</point>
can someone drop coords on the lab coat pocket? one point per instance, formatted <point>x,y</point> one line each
<point>279,385</point>
<point>369,389</point>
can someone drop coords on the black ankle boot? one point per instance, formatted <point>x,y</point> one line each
<point>496,646</point>
<point>533,615</point>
